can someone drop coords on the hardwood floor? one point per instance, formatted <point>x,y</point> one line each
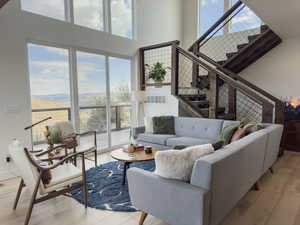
<point>277,203</point>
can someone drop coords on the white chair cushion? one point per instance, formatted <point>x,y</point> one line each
<point>63,175</point>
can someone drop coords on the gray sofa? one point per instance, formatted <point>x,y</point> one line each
<point>218,181</point>
<point>188,131</point>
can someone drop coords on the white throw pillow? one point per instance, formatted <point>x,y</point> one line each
<point>174,164</point>
<point>148,125</point>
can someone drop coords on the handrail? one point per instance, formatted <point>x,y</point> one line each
<point>216,24</point>
<point>247,91</point>
<point>160,45</point>
<point>3,2</point>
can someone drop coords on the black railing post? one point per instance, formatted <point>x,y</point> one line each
<point>69,114</point>
<point>118,121</point>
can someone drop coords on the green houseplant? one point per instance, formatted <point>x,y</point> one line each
<point>157,72</point>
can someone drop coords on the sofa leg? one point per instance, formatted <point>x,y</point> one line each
<point>271,170</point>
<point>256,186</point>
<point>142,218</point>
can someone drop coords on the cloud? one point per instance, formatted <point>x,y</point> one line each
<point>51,8</point>
<point>89,13</point>
<point>52,77</point>
<point>59,51</point>
<point>246,16</point>
<point>121,14</point>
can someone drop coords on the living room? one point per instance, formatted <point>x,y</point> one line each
<point>124,112</point>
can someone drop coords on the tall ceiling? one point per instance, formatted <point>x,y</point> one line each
<point>283,16</point>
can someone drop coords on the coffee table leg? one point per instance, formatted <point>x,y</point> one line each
<point>126,166</point>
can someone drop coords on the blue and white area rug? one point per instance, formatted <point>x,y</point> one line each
<point>105,189</point>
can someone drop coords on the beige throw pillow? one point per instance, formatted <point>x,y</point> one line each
<point>174,164</point>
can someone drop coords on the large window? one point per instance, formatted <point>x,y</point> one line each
<point>51,8</point>
<point>112,16</point>
<point>99,81</point>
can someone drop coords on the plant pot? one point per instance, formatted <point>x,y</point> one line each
<point>158,84</point>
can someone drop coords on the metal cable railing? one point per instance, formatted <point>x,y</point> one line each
<point>91,118</point>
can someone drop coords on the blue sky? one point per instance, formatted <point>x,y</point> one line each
<point>49,71</point>
<point>212,10</point>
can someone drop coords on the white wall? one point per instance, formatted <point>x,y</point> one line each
<point>190,22</point>
<point>169,108</point>
<point>278,71</point>
<point>157,21</point>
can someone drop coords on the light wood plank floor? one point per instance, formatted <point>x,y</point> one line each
<point>277,203</point>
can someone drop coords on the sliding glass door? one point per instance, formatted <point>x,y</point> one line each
<point>50,86</point>
<point>120,79</point>
<point>92,95</point>
<point>100,87</point>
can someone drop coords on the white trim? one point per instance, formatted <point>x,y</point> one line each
<point>75,110</point>
<point>82,49</point>
<point>108,100</point>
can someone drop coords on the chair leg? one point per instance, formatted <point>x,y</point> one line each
<point>75,158</point>
<point>143,218</point>
<point>21,185</point>
<point>32,200</point>
<point>85,191</point>
<point>96,158</point>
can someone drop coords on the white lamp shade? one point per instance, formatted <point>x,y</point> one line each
<point>139,96</point>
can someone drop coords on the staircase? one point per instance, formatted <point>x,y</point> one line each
<point>205,80</point>
<point>3,2</point>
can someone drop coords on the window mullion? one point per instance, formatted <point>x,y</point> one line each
<point>107,16</point>
<point>75,108</point>
<point>108,102</point>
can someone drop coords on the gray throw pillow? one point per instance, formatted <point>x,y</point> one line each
<point>163,125</point>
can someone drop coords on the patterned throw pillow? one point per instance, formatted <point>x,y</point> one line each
<point>242,131</point>
<point>163,125</point>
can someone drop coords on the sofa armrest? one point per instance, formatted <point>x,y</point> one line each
<point>136,131</point>
<point>173,201</point>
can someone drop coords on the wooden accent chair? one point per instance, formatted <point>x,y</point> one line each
<point>65,177</point>
<point>70,138</point>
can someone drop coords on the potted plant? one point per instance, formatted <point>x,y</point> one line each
<point>157,72</point>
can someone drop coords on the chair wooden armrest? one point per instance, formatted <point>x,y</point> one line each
<point>43,168</point>
<point>51,149</point>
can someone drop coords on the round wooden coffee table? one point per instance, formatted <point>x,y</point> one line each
<point>128,158</point>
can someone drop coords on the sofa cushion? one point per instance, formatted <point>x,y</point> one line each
<point>198,127</point>
<point>155,138</point>
<point>186,141</point>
